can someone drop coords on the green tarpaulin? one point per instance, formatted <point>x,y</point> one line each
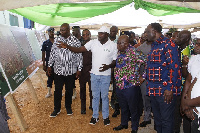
<point>56,14</point>
<point>162,10</point>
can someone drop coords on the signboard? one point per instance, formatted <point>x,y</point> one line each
<point>25,49</point>
<point>11,58</point>
<point>39,38</point>
<point>23,45</point>
<point>34,43</point>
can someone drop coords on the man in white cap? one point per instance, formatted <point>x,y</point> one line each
<point>104,54</point>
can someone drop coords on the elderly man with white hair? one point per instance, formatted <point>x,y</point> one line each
<point>104,54</point>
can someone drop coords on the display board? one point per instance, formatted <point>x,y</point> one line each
<point>11,58</point>
<point>39,38</point>
<point>23,45</point>
<point>34,43</point>
<point>4,89</point>
<point>25,49</point>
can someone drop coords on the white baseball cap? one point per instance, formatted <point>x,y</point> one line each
<point>104,29</point>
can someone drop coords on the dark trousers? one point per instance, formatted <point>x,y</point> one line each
<point>163,114</point>
<point>60,80</point>
<point>128,101</point>
<point>178,118</point>
<point>50,78</point>
<point>83,93</point>
<point>114,95</point>
<point>146,102</point>
<point>195,125</point>
<point>177,115</point>
<point>186,125</point>
<point>3,124</point>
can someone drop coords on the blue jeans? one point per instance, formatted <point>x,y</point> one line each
<point>100,84</point>
<point>163,114</point>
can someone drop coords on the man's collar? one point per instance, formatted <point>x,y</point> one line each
<point>159,40</point>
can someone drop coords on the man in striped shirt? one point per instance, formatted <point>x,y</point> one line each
<point>66,64</point>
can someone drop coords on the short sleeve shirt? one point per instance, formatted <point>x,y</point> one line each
<point>194,70</point>
<point>101,54</point>
<point>46,47</point>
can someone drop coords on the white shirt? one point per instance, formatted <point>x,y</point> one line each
<point>101,54</point>
<point>194,70</point>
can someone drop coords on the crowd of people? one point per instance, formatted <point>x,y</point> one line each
<point>154,74</point>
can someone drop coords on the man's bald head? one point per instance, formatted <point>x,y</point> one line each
<point>174,35</point>
<point>186,34</point>
<point>65,24</point>
<point>183,38</point>
<point>65,30</point>
<point>113,32</point>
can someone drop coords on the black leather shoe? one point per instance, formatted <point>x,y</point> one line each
<point>134,131</point>
<point>144,123</point>
<point>116,113</point>
<point>120,127</point>
<point>83,111</point>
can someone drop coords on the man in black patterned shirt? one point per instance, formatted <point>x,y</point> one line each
<point>65,66</point>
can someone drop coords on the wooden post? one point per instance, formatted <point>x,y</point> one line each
<point>32,90</point>
<point>41,79</point>
<point>17,113</point>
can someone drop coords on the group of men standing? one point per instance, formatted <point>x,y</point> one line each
<point>155,67</point>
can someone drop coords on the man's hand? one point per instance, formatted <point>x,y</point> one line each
<point>44,68</point>
<point>141,79</point>
<point>186,109</point>
<point>168,96</point>
<point>78,74</point>
<point>105,67</point>
<point>184,104</point>
<point>61,44</point>
<point>185,60</point>
<point>49,71</point>
<point>189,113</point>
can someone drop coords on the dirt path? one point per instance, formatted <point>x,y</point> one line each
<point>38,120</point>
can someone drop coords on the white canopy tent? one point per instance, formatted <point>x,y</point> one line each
<point>130,18</point>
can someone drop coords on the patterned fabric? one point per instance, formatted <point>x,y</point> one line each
<point>65,62</point>
<point>186,51</point>
<point>127,71</point>
<point>163,68</point>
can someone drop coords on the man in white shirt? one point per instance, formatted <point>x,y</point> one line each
<point>104,54</point>
<point>190,102</point>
